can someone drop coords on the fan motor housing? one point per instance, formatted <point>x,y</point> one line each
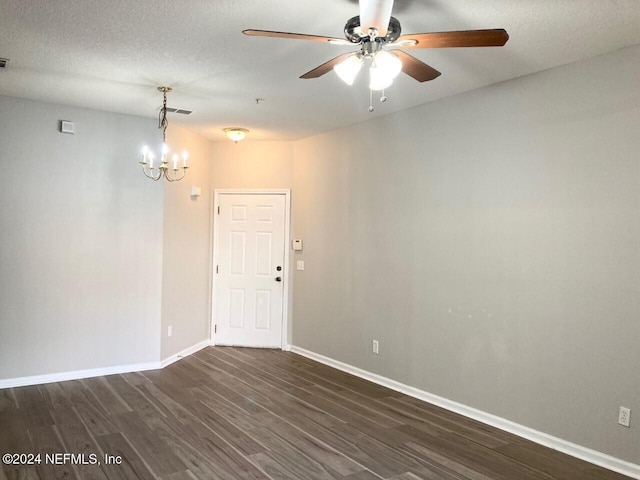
<point>353,32</point>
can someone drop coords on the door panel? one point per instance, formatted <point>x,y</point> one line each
<point>249,296</point>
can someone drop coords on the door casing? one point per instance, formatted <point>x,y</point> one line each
<point>287,248</point>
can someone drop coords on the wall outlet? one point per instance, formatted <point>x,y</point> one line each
<point>375,347</point>
<point>169,331</point>
<point>624,416</point>
<point>300,265</point>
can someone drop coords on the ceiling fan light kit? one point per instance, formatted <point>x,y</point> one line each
<point>373,30</point>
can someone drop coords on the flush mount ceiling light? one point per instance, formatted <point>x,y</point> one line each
<point>171,174</point>
<point>374,30</point>
<point>235,133</point>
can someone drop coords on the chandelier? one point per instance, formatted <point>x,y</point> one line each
<point>172,172</point>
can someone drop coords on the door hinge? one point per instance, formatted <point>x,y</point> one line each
<point>215,329</point>
<point>216,268</point>
<point>218,209</point>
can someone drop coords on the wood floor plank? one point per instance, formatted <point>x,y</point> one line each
<point>281,436</point>
<point>22,473</point>
<point>184,475</point>
<point>132,466</point>
<point>147,445</point>
<point>424,454</point>
<point>46,441</point>
<point>166,404</point>
<point>222,453</point>
<point>231,413</point>
<point>265,372</point>
<point>476,456</point>
<point>187,446</point>
<point>235,415</point>
<point>93,416</point>
<point>7,400</point>
<point>30,398</point>
<point>56,395</point>
<point>131,396</point>
<point>372,414</point>
<point>234,436</point>
<point>364,475</point>
<point>425,410</point>
<point>368,452</point>
<point>77,440</point>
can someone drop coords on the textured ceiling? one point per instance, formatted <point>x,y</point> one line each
<point>111,55</point>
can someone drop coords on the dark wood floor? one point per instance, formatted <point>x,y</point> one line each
<point>228,413</point>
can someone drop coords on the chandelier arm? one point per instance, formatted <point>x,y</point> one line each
<point>150,174</point>
<point>175,174</point>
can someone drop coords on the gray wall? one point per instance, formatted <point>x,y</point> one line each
<point>80,241</point>
<point>186,289</point>
<point>490,242</point>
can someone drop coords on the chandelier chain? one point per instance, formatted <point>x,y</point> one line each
<point>162,116</point>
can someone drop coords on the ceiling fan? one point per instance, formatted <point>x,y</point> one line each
<point>374,30</point>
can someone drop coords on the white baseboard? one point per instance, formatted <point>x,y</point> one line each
<point>185,353</point>
<point>99,372</point>
<point>592,456</point>
<point>77,374</point>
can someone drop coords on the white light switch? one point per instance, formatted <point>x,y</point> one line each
<point>300,265</point>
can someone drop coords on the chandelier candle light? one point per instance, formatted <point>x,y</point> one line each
<point>163,170</point>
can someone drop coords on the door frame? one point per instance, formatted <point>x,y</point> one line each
<point>287,231</point>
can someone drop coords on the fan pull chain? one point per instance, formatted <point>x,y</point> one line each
<point>371,109</point>
<point>383,98</point>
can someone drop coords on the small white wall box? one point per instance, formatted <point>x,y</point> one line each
<point>196,191</point>
<point>66,126</point>
<point>297,244</point>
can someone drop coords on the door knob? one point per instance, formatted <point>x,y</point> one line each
<point>278,268</point>
<point>278,279</point>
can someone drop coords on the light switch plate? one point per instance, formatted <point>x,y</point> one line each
<point>300,265</point>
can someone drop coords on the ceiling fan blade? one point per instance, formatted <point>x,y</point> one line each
<point>375,14</point>
<point>296,36</point>
<point>416,68</point>
<point>465,38</point>
<point>326,67</point>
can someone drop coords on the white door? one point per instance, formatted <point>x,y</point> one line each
<point>250,270</point>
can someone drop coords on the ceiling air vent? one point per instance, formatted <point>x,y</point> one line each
<point>3,62</point>
<point>178,110</point>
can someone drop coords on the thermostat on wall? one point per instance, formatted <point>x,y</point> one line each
<point>66,126</point>
<point>297,244</point>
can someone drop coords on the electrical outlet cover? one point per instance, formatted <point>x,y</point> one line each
<point>624,417</point>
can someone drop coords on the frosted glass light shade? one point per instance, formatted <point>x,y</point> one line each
<point>379,80</point>
<point>386,66</point>
<point>389,62</point>
<point>236,134</point>
<point>349,68</point>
